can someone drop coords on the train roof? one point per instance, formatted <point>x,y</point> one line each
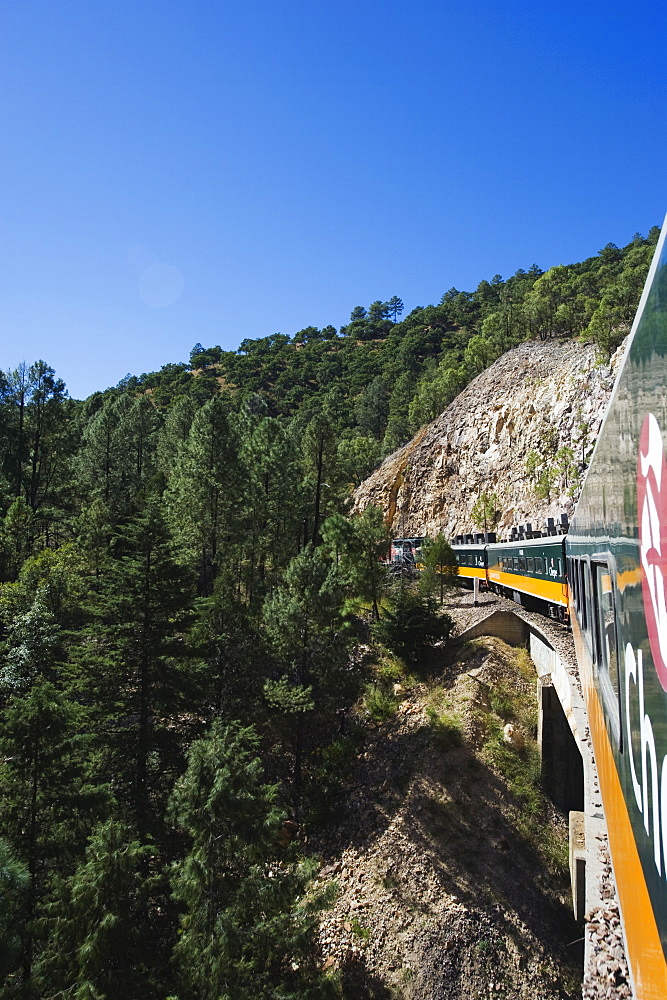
<point>513,543</point>
<point>529,542</point>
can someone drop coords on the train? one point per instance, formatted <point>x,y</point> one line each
<point>605,576</point>
<point>404,557</point>
<point>616,571</point>
<point>528,567</point>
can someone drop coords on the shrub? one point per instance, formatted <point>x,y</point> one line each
<point>411,625</point>
<point>379,703</point>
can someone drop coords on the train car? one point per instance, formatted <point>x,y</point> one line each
<point>471,560</point>
<point>617,570</point>
<point>405,555</point>
<point>531,572</point>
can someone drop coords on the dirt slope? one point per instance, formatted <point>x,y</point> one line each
<point>450,868</point>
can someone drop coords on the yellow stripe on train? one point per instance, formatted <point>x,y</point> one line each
<point>547,590</point>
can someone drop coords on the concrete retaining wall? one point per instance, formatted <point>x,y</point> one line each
<point>503,624</point>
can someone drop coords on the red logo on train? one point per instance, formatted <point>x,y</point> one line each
<point>652,516</point>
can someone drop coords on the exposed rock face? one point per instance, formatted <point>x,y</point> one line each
<point>541,396</point>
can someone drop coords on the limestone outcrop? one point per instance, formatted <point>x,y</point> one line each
<point>541,397</point>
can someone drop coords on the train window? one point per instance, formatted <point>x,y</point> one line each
<point>538,564</point>
<point>588,611</point>
<point>574,582</point>
<point>560,569</point>
<point>530,564</point>
<point>515,563</point>
<point>605,634</point>
<point>582,594</point>
<point>572,578</point>
<point>522,564</point>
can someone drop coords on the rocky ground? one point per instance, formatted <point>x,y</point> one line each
<point>448,888</point>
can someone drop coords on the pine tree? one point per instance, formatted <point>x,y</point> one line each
<point>307,633</point>
<point>141,617</point>
<point>203,492</point>
<point>138,430</point>
<point>14,881</point>
<point>486,511</point>
<point>46,797</point>
<point>272,503</point>
<point>102,459</point>
<point>98,944</point>
<point>175,431</point>
<point>358,546</point>
<point>440,563</point>
<point>17,536</point>
<point>320,456</point>
<point>247,932</point>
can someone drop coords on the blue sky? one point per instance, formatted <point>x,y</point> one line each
<point>175,171</point>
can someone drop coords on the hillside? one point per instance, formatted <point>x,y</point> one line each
<point>450,864</point>
<point>540,404</point>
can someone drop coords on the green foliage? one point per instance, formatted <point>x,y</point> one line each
<point>202,497</point>
<point>31,648</point>
<point>379,703</point>
<point>47,798</point>
<point>446,727</point>
<point>308,640</point>
<point>358,545</point>
<point>247,932</point>
<point>14,881</point>
<point>359,930</point>
<point>287,697</point>
<point>486,511</point>
<point>412,625</point>
<point>567,468</point>
<point>141,611</point>
<point>99,936</point>
<point>533,463</point>
<point>441,568</point>
<point>544,485</point>
<point>18,531</point>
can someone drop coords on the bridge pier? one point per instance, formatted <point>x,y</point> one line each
<point>562,762</point>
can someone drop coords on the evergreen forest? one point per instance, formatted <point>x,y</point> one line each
<point>183,595</point>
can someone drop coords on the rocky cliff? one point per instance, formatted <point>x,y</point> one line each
<point>531,405</point>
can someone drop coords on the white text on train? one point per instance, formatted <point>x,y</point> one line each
<point>655,818</point>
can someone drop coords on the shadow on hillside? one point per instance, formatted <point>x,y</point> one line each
<point>358,983</point>
<point>457,813</point>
